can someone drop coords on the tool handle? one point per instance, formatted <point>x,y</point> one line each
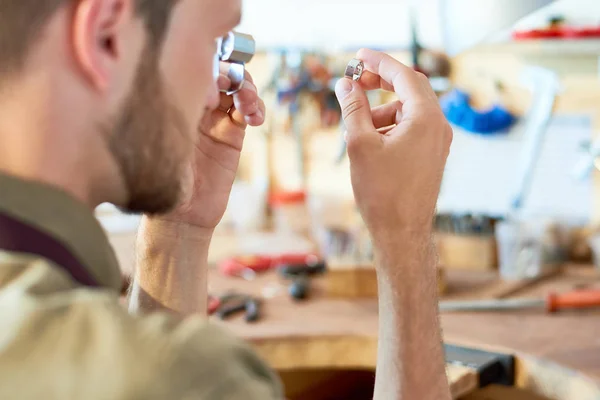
<point>573,300</point>
<point>252,310</point>
<point>227,310</point>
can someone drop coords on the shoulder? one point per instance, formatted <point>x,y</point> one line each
<point>86,339</point>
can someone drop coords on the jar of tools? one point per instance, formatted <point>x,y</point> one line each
<point>290,213</point>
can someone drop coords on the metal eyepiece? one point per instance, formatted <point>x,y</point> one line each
<point>237,49</point>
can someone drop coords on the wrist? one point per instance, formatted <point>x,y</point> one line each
<point>404,239</point>
<point>166,230</point>
<point>405,257</point>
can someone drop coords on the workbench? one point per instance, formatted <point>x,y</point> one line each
<point>557,356</point>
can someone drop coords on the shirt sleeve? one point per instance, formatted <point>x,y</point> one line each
<point>59,341</point>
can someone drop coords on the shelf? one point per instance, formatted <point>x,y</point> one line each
<point>547,47</point>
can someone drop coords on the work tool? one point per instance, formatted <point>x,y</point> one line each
<point>491,368</point>
<point>355,69</point>
<point>237,49</point>
<point>466,224</point>
<point>508,289</point>
<point>305,269</point>
<point>300,275</point>
<point>457,108</point>
<point>579,299</point>
<point>232,304</point>
<point>237,266</point>
<point>545,86</point>
<point>300,287</point>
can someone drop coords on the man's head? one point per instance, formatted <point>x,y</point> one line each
<point>131,80</point>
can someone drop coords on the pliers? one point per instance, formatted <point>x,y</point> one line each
<point>230,304</point>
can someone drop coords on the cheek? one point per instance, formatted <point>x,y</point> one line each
<point>188,71</point>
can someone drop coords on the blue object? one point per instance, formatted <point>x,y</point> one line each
<point>457,108</point>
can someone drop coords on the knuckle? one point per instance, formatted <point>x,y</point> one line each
<point>421,76</point>
<point>352,107</point>
<point>354,146</point>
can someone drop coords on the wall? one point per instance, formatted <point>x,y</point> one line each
<point>339,24</point>
<point>348,24</point>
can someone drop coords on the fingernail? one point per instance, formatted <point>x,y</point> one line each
<point>343,88</point>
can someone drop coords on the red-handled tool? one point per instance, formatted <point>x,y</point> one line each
<point>573,300</point>
<point>579,299</point>
<point>236,266</point>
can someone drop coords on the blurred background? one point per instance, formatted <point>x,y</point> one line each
<point>517,79</point>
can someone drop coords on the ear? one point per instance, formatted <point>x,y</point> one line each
<point>98,30</point>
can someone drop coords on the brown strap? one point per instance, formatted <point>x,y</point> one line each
<point>18,237</point>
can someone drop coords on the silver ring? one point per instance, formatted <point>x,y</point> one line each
<point>355,69</point>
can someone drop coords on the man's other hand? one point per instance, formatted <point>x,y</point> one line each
<point>397,151</point>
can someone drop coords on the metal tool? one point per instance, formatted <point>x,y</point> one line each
<point>302,269</point>
<point>232,304</point>
<point>300,288</point>
<point>545,86</point>
<point>355,69</point>
<point>492,368</point>
<point>579,299</point>
<point>236,49</point>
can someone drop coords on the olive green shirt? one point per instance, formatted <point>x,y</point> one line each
<point>65,335</point>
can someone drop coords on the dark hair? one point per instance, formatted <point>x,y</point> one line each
<point>22,22</point>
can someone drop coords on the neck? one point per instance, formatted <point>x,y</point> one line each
<point>37,145</point>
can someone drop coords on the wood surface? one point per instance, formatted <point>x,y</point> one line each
<point>351,282</point>
<point>557,355</point>
<point>467,251</point>
<point>495,392</point>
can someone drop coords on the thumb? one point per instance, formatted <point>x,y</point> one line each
<point>356,110</point>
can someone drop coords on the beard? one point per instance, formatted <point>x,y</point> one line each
<point>148,141</point>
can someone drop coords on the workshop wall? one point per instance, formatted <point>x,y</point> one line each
<point>335,25</point>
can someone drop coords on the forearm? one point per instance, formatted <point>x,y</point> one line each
<point>410,356</point>
<point>171,268</point>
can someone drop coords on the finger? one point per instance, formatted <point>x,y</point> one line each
<point>258,118</point>
<point>371,81</point>
<point>247,100</point>
<point>406,83</point>
<point>387,114</point>
<point>248,77</point>
<point>386,130</point>
<point>223,132</point>
<point>426,84</point>
<point>224,68</point>
<point>356,110</point>
<point>225,103</point>
<point>223,82</point>
<point>237,118</point>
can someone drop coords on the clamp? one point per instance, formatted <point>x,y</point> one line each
<point>236,49</point>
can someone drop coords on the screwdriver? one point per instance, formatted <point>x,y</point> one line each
<point>579,299</point>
